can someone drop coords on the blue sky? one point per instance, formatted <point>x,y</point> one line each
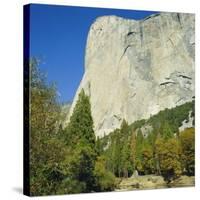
<point>58,37</point>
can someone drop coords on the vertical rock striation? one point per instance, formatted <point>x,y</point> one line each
<point>134,69</point>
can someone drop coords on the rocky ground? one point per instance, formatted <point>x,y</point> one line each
<point>153,182</point>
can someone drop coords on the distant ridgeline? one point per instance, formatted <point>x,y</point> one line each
<point>133,147</point>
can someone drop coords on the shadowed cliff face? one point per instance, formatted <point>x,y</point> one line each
<point>134,69</point>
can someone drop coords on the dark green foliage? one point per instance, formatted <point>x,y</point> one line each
<point>124,129</point>
<point>98,146</point>
<point>139,142</point>
<point>112,152</point>
<point>127,165</point>
<point>79,135</point>
<point>166,131</point>
<point>81,122</point>
<point>125,161</point>
<point>118,153</point>
<point>133,151</point>
<point>173,117</point>
<point>82,167</point>
<point>137,124</point>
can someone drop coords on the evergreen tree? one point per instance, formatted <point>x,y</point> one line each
<point>133,150</point>
<point>117,151</point>
<point>98,146</point>
<point>125,162</point>
<point>124,129</point>
<point>166,131</point>
<point>139,147</point>
<point>82,141</point>
<point>82,167</point>
<point>81,122</point>
<point>113,153</point>
<point>127,167</point>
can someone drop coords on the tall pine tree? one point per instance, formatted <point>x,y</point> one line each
<point>80,128</point>
<point>81,138</point>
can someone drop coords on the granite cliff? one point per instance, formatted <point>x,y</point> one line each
<point>134,69</point>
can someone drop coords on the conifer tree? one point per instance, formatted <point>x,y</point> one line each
<point>80,127</point>
<point>133,149</point>
<point>167,132</point>
<point>81,133</point>
<point>139,146</point>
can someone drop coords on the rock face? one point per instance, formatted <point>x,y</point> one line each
<point>187,123</point>
<point>134,69</point>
